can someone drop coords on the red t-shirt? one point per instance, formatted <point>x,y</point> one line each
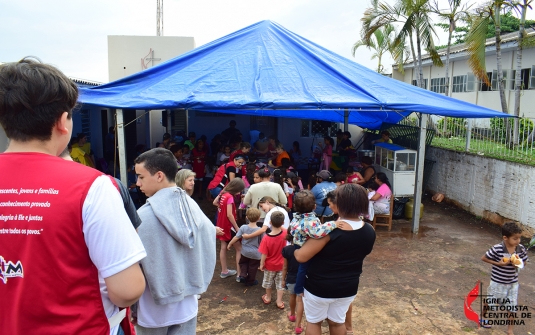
<point>222,220</point>
<point>272,246</point>
<point>198,159</point>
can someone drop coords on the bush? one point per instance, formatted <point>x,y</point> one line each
<point>456,127</point>
<point>499,125</point>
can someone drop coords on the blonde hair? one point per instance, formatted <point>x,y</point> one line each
<point>181,176</point>
<point>253,214</point>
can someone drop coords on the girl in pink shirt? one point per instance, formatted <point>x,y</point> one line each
<point>381,198</point>
<point>327,153</point>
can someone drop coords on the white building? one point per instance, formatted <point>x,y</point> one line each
<point>128,55</point>
<point>465,86</point>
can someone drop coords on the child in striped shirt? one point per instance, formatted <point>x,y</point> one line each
<point>503,287</point>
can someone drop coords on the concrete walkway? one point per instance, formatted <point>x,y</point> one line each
<point>410,284</point>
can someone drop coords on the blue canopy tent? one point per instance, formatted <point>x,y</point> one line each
<point>267,70</point>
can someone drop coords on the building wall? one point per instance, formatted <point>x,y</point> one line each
<point>490,99</point>
<point>125,53</point>
<point>128,55</point>
<point>496,190</point>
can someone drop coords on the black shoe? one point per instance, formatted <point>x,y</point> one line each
<point>252,283</point>
<point>240,279</point>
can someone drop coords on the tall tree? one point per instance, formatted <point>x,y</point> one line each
<point>414,17</point>
<point>476,40</point>
<point>451,15</point>
<point>522,7</point>
<point>382,43</point>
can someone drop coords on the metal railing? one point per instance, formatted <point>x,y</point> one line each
<point>505,139</point>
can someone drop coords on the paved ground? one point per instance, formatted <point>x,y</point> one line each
<point>410,284</point>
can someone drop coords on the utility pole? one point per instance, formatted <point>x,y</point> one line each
<point>159,17</point>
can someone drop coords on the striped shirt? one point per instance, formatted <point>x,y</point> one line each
<point>505,274</point>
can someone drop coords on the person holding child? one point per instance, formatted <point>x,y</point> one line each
<point>367,172</point>
<point>226,220</point>
<point>305,225</point>
<point>272,261</point>
<point>250,256</point>
<point>503,285</point>
<point>336,260</point>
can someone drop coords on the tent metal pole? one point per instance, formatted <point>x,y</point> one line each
<point>121,145</point>
<point>468,135</point>
<point>148,135</point>
<point>419,173</point>
<point>346,119</point>
<point>169,125</point>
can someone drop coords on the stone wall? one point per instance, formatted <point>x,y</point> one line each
<point>496,190</point>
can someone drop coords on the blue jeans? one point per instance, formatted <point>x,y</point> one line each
<point>215,191</point>
<point>301,276</point>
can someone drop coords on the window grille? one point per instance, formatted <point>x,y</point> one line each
<point>438,85</point>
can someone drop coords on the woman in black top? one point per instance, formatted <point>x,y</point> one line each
<point>367,172</point>
<point>336,262</point>
<point>344,147</point>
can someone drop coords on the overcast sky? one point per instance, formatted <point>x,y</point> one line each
<point>72,34</point>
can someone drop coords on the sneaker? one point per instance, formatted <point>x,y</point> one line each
<point>240,279</point>
<point>252,283</point>
<point>230,273</point>
<point>484,323</point>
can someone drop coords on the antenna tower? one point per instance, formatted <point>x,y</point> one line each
<point>159,17</point>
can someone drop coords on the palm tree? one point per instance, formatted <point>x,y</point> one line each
<point>451,15</point>
<point>384,42</point>
<point>414,17</point>
<point>476,39</point>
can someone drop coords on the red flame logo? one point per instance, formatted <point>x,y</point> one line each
<point>468,300</point>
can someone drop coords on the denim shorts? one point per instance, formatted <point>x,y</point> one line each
<point>290,288</point>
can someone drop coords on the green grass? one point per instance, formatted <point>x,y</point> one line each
<point>486,148</point>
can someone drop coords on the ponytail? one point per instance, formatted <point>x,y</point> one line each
<point>263,172</point>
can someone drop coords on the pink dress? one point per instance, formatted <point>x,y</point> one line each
<point>327,157</point>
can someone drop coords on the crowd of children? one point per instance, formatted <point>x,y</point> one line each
<point>269,245</point>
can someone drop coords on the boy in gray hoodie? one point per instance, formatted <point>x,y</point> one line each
<point>180,244</point>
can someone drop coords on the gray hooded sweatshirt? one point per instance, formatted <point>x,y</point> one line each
<point>180,243</point>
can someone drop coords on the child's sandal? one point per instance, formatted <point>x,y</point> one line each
<point>264,299</point>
